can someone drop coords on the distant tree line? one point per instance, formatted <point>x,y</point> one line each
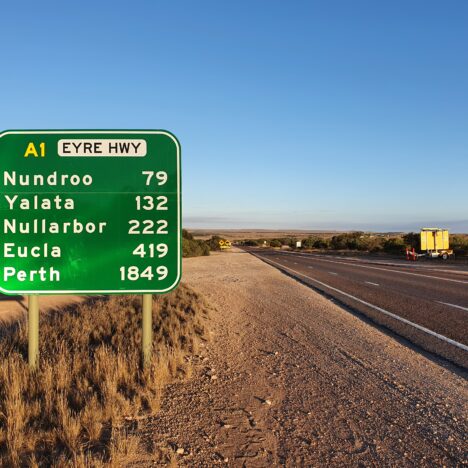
<point>360,241</point>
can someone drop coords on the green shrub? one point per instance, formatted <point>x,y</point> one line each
<point>186,234</point>
<point>412,240</point>
<point>459,244</point>
<point>315,242</point>
<point>370,243</point>
<point>394,245</point>
<point>252,242</point>
<point>356,241</point>
<point>290,241</point>
<point>348,240</point>
<point>193,247</point>
<point>275,243</point>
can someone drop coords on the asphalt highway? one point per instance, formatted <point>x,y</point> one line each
<point>426,304</point>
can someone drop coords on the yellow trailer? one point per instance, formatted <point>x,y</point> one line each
<point>435,242</point>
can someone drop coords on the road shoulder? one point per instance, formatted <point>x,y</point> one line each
<point>288,377</point>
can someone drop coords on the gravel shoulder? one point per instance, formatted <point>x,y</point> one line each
<point>289,378</point>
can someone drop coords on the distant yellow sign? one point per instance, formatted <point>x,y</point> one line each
<point>434,239</point>
<point>224,244</point>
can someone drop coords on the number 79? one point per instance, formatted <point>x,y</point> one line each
<point>160,176</point>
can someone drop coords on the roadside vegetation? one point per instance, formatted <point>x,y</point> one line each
<point>192,247</point>
<point>459,243</point>
<point>75,410</point>
<point>360,241</point>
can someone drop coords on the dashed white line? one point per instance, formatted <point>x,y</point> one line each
<point>370,282</point>
<point>454,305</point>
<point>372,306</point>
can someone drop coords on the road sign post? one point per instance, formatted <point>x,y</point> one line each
<point>147,330</point>
<point>90,212</point>
<point>33,331</point>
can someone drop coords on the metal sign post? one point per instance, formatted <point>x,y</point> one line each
<point>90,212</point>
<point>147,330</point>
<point>33,331</point>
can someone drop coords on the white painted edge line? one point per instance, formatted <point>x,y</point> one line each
<point>454,305</point>
<point>370,282</point>
<point>386,269</point>
<point>372,306</point>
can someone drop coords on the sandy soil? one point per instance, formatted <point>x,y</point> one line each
<point>14,307</point>
<point>291,379</point>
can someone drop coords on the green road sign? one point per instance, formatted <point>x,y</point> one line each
<point>90,212</point>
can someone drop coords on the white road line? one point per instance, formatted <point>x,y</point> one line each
<point>454,305</point>
<point>392,271</point>
<point>379,309</point>
<point>370,282</point>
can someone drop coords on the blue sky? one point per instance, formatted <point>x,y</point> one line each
<point>299,114</point>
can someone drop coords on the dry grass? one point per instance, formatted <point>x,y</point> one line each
<point>71,411</point>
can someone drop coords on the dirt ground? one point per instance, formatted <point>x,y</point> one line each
<point>289,378</point>
<point>14,307</point>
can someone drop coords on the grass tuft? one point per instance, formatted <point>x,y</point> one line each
<point>70,412</point>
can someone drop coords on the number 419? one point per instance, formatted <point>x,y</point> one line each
<point>151,250</point>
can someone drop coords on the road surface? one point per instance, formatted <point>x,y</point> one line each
<point>425,303</point>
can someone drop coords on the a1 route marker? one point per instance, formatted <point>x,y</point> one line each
<point>90,212</point>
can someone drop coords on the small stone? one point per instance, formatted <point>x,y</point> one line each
<point>267,402</point>
<point>180,451</point>
<point>214,377</point>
